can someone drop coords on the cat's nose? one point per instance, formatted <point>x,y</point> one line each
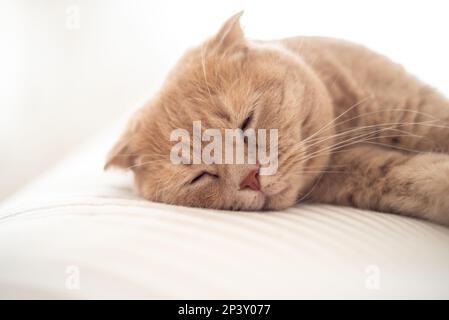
<point>251,181</point>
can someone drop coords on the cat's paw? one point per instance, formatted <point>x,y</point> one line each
<point>423,186</point>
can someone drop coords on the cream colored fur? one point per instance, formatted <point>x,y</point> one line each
<point>354,128</point>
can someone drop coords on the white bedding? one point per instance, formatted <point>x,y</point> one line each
<point>78,232</point>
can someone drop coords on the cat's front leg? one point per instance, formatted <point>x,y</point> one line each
<point>389,181</point>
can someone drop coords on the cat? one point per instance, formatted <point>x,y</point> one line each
<point>355,129</point>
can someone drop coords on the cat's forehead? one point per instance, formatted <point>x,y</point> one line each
<point>225,84</point>
<point>234,68</point>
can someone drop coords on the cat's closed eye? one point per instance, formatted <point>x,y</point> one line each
<point>202,175</point>
<point>246,123</point>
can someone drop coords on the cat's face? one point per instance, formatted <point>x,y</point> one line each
<point>229,83</point>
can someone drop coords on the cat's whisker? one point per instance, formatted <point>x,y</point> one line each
<point>388,110</point>
<point>393,147</point>
<point>399,124</point>
<point>303,142</point>
<point>356,139</point>
<point>329,166</point>
<point>352,131</point>
<point>338,117</point>
<point>337,148</point>
<point>349,131</point>
<point>139,165</point>
<point>391,129</point>
<point>343,144</point>
<point>203,65</point>
<point>311,189</point>
<point>322,171</point>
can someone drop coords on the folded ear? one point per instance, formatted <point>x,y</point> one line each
<point>230,33</point>
<point>122,154</point>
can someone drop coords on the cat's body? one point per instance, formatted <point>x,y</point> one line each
<point>403,118</point>
<point>377,90</point>
<point>354,128</point>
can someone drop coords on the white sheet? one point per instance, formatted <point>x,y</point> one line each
<point>80,233</point>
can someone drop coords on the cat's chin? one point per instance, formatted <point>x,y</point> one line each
<point>250,201</point>
<point>283,199</point>
<point>278,194</point>
<point>260,201</point>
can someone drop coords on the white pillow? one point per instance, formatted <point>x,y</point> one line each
<point>78,232</point>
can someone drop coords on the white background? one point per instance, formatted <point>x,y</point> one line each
<point>70,68</point>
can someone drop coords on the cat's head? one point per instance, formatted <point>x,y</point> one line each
<point>229,82</point>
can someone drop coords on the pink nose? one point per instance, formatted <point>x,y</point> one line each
<point>251,181</point>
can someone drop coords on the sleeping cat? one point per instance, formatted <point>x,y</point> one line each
<point>354,128</point>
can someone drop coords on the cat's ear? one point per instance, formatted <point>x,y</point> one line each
<point>122,155</point>
<point>230,33</point>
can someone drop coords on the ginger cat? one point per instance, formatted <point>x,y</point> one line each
<point>355,129</point>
